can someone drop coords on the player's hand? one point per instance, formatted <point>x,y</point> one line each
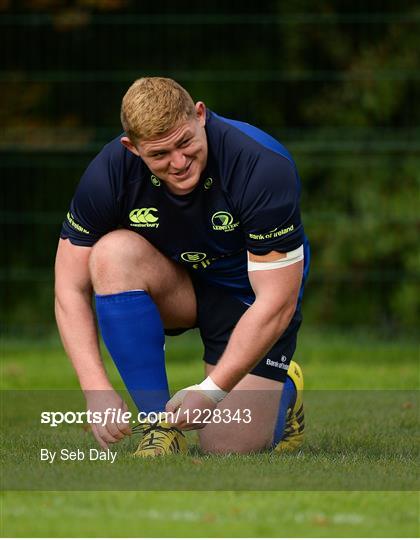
<point>113,429</point>
<point>192,407</point>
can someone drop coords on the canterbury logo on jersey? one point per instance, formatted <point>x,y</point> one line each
<point>144,217</point>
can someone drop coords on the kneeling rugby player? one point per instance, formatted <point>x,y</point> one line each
<point>186,220</point>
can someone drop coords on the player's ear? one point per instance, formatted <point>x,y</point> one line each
<point>125,141</point>
<point>201,112</point>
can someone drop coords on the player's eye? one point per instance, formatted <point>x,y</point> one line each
<point>185,143</point>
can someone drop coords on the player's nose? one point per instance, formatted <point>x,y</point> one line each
<point>178,160</point>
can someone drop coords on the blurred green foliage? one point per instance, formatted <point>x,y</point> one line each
<point>337,83</point>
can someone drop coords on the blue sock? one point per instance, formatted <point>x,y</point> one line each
<point>132,330</point>
<point>288,398</point>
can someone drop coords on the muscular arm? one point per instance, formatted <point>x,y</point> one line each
<point>263,323</point>
<point>276,293</point>
<point>74,314</point>
<point>76,323</point>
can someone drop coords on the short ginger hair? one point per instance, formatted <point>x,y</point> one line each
<point>153,106</point>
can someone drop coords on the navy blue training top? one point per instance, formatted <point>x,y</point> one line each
<point>247,199</point>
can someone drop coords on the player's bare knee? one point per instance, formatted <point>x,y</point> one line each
<point>116,260</point>
<point>116,247</point>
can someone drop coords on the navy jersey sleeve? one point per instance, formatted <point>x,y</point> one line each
<point>94,208</point>
<point>269,205</point>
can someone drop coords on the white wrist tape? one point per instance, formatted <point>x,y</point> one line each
<point>292,257</point>
<point>210,388</point>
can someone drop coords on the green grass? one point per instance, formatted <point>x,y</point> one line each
<point>256,514</point>
<point>307,494</point>
<point>331,361</point>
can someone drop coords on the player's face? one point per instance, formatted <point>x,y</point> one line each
<point>179,157</point>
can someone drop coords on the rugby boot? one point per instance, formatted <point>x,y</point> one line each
<point>160,439</point>
<point>294,428</point>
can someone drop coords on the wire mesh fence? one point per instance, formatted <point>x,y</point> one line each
<point>337,85</point>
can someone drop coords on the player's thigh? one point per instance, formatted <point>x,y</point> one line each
<point>172,290</point>
<point>248,416</point>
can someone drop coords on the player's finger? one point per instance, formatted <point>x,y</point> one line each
<point>180,419</point>
<point>105,435</point>
<point>185,426</point>
<point>108,438</point>
<point>124,428</point>
<point>177,399</point>
<point>115,431</point>
<point>172,407</point>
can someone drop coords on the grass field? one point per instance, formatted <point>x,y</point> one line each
<point>346,481</point>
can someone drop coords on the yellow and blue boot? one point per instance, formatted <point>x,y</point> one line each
<point>294,428</point>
